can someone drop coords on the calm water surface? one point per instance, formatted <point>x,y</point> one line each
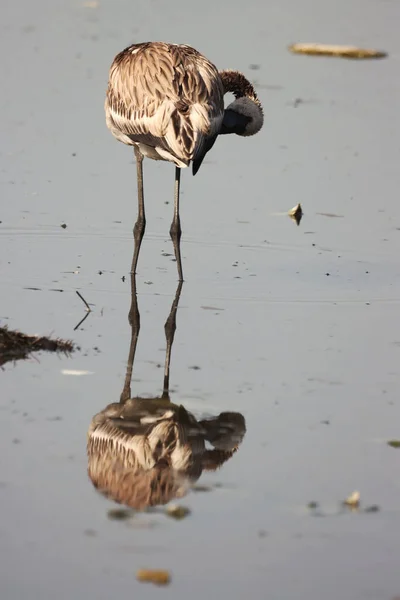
<point>295,328</point>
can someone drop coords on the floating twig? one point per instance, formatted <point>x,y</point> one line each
<point>82,320</point>
<point>336,50</point>
<point>84,301</point>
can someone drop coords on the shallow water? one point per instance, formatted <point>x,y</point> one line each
<point>293,327</point>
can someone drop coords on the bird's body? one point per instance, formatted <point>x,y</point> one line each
<point>167,100</point>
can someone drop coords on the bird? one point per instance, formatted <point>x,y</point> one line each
<point>167,101</point>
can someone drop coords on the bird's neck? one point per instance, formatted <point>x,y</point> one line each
<point>236,83</point>
<point>245,115</point>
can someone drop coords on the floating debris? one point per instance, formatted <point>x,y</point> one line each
<point>63,225</point>
<point>336,50</point>
<point>262,533</point>
<point>156,576</point>
<point>177,512</point>
<point>88,310</point>
<point>353,500</point>
<point>372,509</point>
<point>332,215</point>
<point>75,372</point>
<point>90,532</point>
<point>296,213</point>
<point>394,443</point>
<point>120,514</point>
<point>351,503</point>
<point>197,487</point>
<point>84,301</point>
<point>15,345</point>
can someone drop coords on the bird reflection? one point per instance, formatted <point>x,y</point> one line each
<point>144,452</point>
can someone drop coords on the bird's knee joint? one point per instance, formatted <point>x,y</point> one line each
<point>139,227</point>
<point>175,230</point>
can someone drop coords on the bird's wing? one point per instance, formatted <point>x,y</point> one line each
<point>167,96</point>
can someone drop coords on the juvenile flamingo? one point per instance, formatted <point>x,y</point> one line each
<point>167,101</point>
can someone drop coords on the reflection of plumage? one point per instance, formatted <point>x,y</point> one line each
<point>143,452</point>
<point>147,451</point>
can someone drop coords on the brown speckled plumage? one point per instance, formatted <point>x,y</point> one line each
<point>236,82</point>
<point>165,96</point>
<point>167,100</point>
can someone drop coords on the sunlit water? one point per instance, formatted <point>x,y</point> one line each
<point>293,327</point>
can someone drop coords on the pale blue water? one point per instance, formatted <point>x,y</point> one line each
<point>283,343</point>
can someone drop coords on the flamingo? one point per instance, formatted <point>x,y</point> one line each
<point>167,101</point>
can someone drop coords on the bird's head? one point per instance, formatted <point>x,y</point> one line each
<point>244,116</point>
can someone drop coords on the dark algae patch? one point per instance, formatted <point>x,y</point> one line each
<point>15,345</point>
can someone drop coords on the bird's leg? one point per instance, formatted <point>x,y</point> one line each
<point>140,225</point>
<point>170,328</point>
<point>134,321</point>
<point>175,230</point>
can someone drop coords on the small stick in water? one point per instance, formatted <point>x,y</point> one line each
<point>84,301</point>
<point>336,50</point>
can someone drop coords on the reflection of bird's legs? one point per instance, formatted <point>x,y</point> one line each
<point>175,230</point>
<point>170,328</point>
<point>134,320</point>
<point>140,225</point>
